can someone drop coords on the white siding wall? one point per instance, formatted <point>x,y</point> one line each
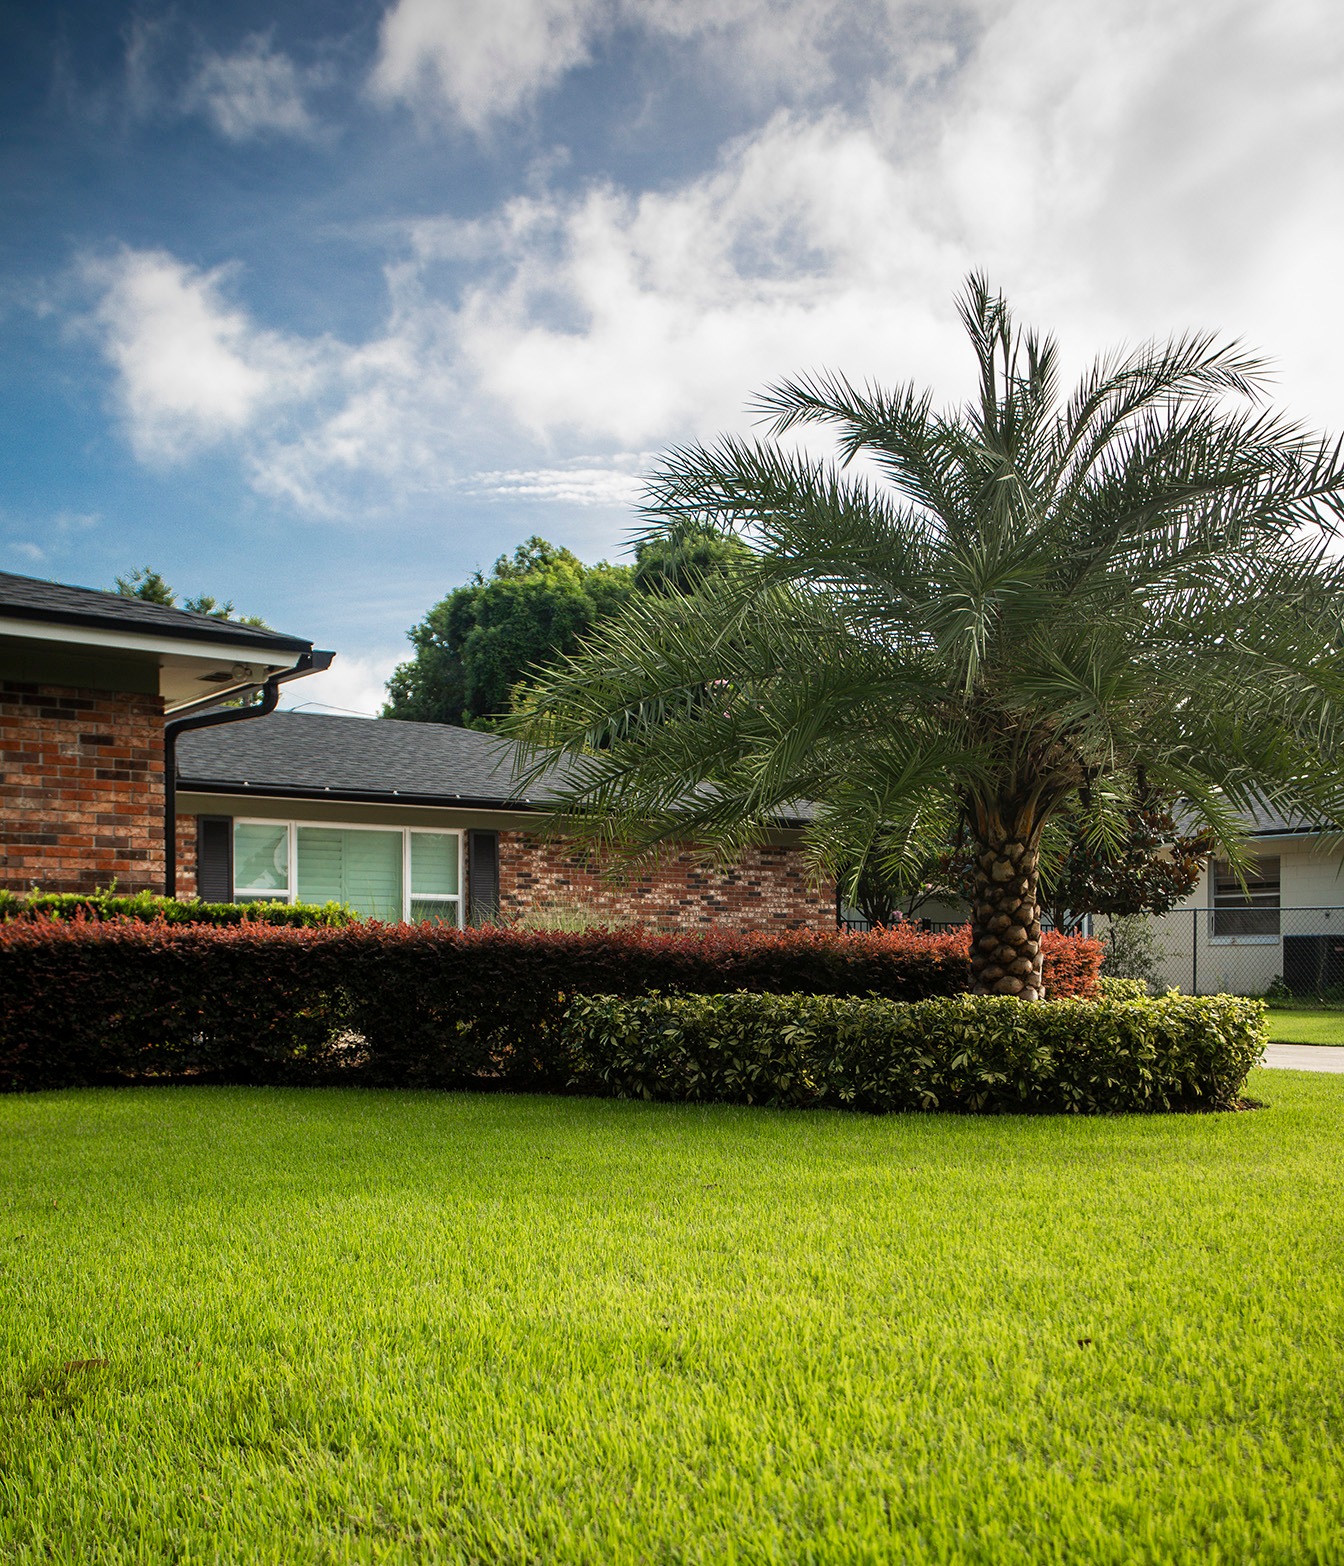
<point>1311,881</point>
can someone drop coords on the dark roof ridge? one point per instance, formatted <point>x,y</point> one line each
<point>60,603</point>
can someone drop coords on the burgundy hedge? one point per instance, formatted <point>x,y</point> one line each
<point>402,1005</point>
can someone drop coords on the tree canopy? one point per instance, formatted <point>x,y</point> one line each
<point>474,646</point>
<point>149,585</point>
<point>478,645</point>
<point>1043,603</point>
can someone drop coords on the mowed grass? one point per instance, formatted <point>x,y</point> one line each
<point>358,1326</point>
<point>1306,1024</point>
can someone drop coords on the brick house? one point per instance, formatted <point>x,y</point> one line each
<point>88,683</point>
<point>422,820</point>
<point>107,738</point>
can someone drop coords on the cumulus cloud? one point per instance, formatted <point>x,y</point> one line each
<point>1119,172</point>
<point>352,687</point>
<point>192,370</point>
<point>485,60</point>
<point>482,58</point>
<point>256,91</point>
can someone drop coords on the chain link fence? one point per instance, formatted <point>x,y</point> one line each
<point>1236,950</point>
<point>1296,952</point>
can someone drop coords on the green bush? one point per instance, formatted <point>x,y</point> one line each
<point>970,1053</point>
<point>1111,988</point>
<point>1131,948</point>
<point>145,908</point>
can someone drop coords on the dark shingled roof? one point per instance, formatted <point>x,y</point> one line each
<point>310,754</point>
<point>1268,822</point>
<point>29,598</point>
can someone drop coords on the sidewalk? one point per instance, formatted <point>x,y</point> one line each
<point>1306,1057</point>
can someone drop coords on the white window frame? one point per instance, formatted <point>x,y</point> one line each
<point>407,832</point>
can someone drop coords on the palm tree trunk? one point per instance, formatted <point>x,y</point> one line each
<point>1006,921</point>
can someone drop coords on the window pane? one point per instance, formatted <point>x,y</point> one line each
<point>426,910</point>
<point>1252,911</point>
<point>320,866</point>
<point>373,873</point>
<point>1246,921</point>
<point>362,869</point>
<point>261,858</point>
<point>434,863</point>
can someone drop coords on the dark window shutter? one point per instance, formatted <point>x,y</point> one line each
<point>214,859</point>
<point>483,876</point>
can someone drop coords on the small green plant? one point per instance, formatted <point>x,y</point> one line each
<point>1278,990</point>
<point>145,907</point>
<point>569,917</point>
<point>1131,950</point>
<point>1116,989</point>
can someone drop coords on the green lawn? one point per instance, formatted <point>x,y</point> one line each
<point>358,1326</point>
<point>1306,1024</point>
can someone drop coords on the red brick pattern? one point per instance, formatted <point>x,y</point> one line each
<point>767,889</point>
<point>186,856</point>
<point>81,789</point>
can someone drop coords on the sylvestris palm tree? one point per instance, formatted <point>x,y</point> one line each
<point>975,620</point>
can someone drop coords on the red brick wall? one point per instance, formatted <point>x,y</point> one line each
<point>767,889</point>
<point>186,856</point>
<point>81,789</point>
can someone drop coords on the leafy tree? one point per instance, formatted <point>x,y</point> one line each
<point>474,646</point>
<point>474,649</point>
<point>1147,867</point>
<point>680,563</point>
<point>150,586</point>
<point>1015,604</point>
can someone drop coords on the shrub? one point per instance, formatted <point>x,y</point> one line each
<point>1122,989</point>
<point>145,907</point>
<point>561,915</point>
<point>86,1000</point>
<point>1130,949</point>
<point>974,1053</point>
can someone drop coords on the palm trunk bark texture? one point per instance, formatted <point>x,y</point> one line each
<point>1006,921</point>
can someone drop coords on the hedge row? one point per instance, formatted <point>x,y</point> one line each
<point>969,1053</point>
<point>85,1001</point>
<point>146,908</point>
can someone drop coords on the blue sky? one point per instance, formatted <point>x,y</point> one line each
<point>321,306</point>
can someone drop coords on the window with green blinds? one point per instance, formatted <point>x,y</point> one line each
<point>435,878</point>
<point>261,861</point>
<point>365,868</point>
<point>362,869</point>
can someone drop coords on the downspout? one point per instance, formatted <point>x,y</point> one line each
<point>309,663</point>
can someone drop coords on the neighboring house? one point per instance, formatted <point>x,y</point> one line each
<point>110,718</point>
<point>1287,922</point>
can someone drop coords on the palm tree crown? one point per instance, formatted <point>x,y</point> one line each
<point>977,619</point>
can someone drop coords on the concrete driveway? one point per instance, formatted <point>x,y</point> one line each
<point>1305,1057</point>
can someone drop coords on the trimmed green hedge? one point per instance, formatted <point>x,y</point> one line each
<point>969,1053</point>
<point>146,908</point>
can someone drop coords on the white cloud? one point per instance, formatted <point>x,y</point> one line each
<point>256,91</point>
<point>352,687</point>
<point>483,58</point>
<point>192,370</point>
<point>579,483</point>
<point>1119,172</point>
<point>28,551</point>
